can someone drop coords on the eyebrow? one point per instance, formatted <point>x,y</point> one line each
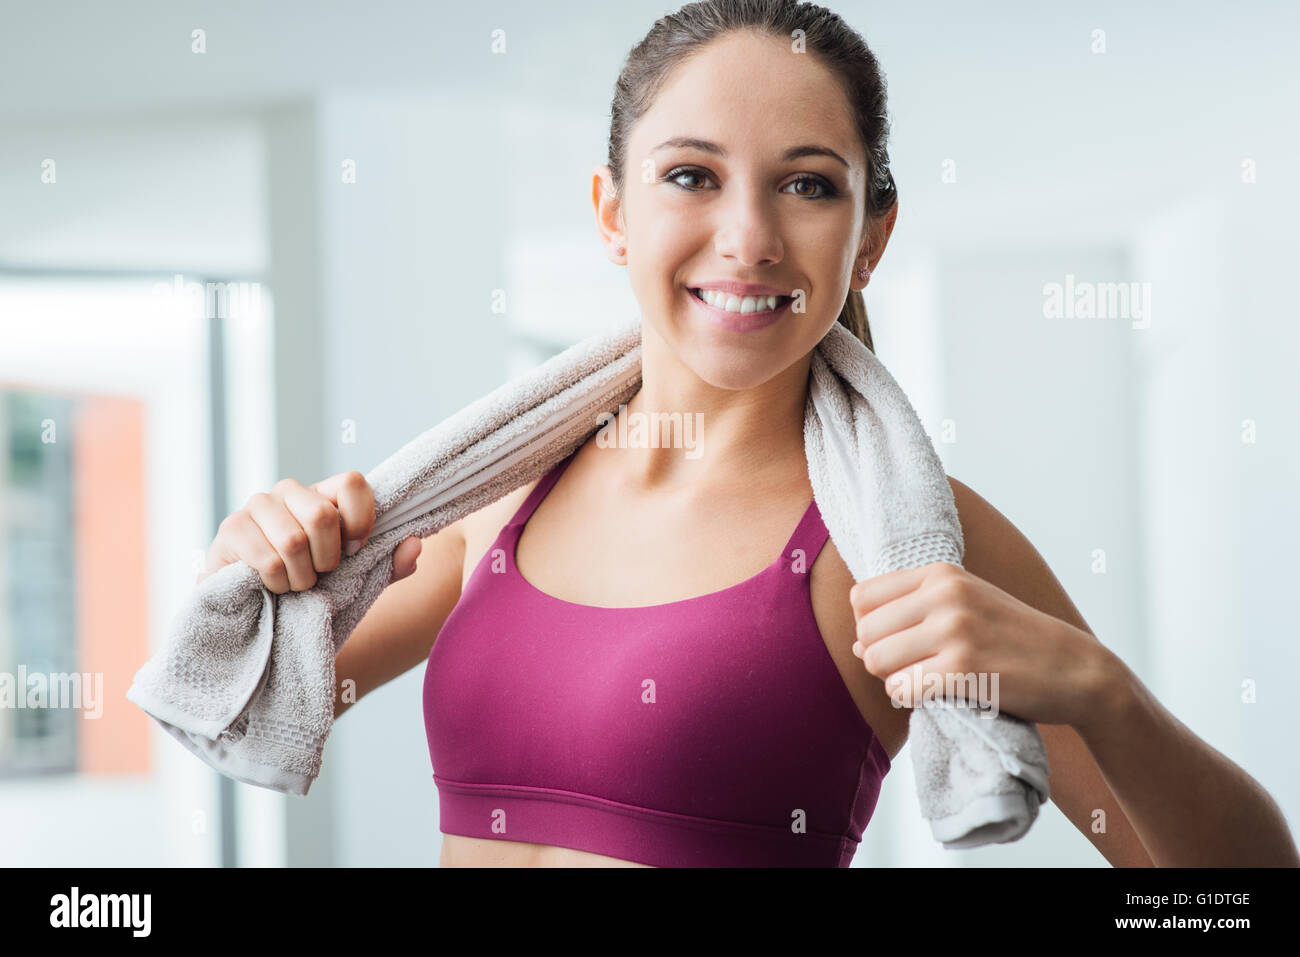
<point>793,153</point>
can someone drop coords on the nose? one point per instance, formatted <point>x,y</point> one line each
<point>748,230</point>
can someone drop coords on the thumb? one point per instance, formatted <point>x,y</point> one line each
<point>404,558</point>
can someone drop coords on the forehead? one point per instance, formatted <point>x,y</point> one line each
<point>751,91</point>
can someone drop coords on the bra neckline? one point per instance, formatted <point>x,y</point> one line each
<point>518,532</point>
<point>529,508</point>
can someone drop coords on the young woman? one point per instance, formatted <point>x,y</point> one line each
<point>631,665</point>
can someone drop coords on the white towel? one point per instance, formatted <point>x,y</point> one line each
<point>246,678</point>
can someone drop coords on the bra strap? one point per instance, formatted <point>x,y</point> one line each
<point>809,535</point>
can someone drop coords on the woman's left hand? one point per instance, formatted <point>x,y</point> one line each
<point>920,625</point>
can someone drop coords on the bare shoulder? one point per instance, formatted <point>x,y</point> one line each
<point>998,552</point>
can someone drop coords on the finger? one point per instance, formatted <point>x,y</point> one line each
<point>890,618</point>
<point>898,651</point>
<point>320,520</point>
<point>250,545</point>
<point>355,500</point>
<point>906,687</point>
<point>286,536</point>
<point>871,593</point>
<point>406,557</point>
<point>933,679</point>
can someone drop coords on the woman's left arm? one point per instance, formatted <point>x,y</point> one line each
<point>1168,798</point>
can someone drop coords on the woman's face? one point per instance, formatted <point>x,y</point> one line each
<point>692,216</point>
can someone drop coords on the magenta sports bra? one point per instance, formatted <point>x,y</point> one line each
<point>711,731</point>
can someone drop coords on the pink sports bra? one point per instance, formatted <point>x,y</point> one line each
<point>712,731</point>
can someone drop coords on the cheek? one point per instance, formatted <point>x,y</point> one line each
<point>661,254</point>
<point>671,236</point>
<point>827,257</point>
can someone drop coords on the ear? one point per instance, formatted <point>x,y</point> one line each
<point>609,214</point>
<point>873,243</point>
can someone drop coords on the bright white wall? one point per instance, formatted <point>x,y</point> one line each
<point>1219,508</point>
<point>172,190</point>
<point>1262,326</point>
<point>410,255</point>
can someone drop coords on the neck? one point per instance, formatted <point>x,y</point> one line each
<point>683,432</point>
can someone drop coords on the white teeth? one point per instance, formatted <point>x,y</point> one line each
<point>740,304</point>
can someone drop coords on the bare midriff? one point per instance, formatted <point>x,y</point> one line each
<point>460,851</point>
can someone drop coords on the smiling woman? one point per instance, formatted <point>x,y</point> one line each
<point>824,82</point>
<point>622,672</point>
<point>635,725</point>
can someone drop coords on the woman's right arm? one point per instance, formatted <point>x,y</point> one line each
<point>397,632</point>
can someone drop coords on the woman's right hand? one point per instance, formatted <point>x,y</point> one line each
<point>291,533</point>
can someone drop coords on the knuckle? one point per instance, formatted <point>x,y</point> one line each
<point>952,588</point>
<point>284,485</point>
<point>358,483</point>
<point>294,543</point>
<point>957,622</point>
<point>323,516</point>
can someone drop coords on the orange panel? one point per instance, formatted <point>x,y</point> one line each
<point>109,540</point>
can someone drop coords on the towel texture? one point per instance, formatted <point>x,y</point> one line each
<point>246,678</point>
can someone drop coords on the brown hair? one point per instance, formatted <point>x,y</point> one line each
<point>678,35</point>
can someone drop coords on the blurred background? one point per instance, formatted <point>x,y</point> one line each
<point>243,241</point>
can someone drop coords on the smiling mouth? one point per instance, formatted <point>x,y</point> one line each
<point>768,303</point>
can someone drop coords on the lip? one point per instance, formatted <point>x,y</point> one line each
<point>735,321</point>
<point>733,288</point>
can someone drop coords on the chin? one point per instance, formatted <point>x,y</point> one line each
<point>731,379</point>
<point>728,360</point>
<point>727,365</point>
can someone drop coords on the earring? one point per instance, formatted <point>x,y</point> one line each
<point>618,250</point>
<point>864,273</point>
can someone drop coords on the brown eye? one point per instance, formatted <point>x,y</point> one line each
<point>674,175</point>
<point>827,190</point>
